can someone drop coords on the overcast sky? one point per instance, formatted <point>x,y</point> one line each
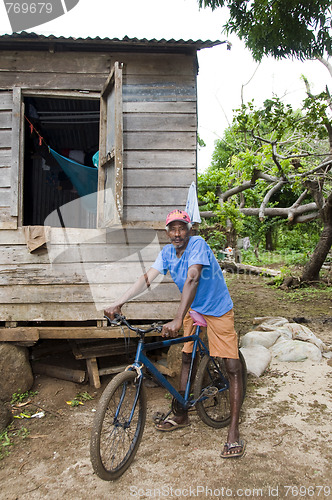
<point>222,72</point>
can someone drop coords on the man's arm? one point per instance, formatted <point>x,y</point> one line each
<point>138,287</point>
<point>187,297</point>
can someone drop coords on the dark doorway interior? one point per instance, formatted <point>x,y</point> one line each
<point>71,128</point>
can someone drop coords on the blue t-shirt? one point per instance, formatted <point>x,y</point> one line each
<point>212,296</point>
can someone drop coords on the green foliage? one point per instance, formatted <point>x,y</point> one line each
<point>279,28</point>
<point>200,142</point>
<point>20,397</point>
<point>5,443</point>
<point>8,437</point>
<point>80,398</point>
<point>217,240</point>
<point>320,291</point>
<point>283,258</point>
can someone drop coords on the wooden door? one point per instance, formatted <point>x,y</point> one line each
<point>110,175</point>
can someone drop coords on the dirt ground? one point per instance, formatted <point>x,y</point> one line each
<point>285,420</point>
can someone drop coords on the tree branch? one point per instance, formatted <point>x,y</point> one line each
<point>267,197</point>
<point>327,163</point>
<point>326,64</point>
<point>281,211</point>
<point>295,205</point>
<point>274,211</point>
<point>306,218</point>
<point>257,174</point>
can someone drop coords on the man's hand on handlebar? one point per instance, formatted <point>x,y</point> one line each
<point>111,311</point>
<point>172,328</point>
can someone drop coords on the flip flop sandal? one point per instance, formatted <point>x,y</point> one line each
<point>174,425</point>
<point>230,446</point>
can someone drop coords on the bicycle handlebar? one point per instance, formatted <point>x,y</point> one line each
<point>119,320</point>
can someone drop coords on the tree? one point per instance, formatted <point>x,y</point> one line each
<point>280,28</point>
<point>283,167</point>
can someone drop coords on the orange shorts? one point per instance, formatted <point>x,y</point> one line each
<point>223,341</point>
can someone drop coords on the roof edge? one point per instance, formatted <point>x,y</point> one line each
<point>33,41</point>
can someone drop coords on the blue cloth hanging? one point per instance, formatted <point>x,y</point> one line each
<point>84,179</point>
<point>95,159</point>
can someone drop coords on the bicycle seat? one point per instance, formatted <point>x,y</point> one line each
<point>198,318</point>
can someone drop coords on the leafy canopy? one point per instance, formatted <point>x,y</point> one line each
<point>282,143</point>
<point>279,28</point>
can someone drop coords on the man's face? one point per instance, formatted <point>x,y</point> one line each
<point>179,234</point>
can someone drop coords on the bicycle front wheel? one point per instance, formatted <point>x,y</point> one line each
<point>118,426</point>
<point>214,408</point>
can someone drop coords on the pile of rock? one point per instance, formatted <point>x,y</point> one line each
<point>16,376</point>
<point>281,339</point>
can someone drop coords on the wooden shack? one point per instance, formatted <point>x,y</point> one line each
<point>136,102</point>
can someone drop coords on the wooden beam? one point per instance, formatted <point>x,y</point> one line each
<point>19,334</point>
<point>93,372</point>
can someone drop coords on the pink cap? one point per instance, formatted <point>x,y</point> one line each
<point>179,215</point>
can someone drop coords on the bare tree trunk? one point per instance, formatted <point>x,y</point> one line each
<point>312,268</point>
<point>269,243</point>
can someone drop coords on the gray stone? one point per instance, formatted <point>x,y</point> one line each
<point>15,370</point>
<point>6,415</point>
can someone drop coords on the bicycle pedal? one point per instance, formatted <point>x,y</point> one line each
<point>158,417</point>
<point>209,392</point>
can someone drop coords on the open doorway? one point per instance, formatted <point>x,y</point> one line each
<point>70,127</point>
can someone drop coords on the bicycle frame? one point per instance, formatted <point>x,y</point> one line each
<point>142,360</point>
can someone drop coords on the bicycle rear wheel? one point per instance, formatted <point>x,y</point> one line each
<point>214,409</point>
<point>115,438</point>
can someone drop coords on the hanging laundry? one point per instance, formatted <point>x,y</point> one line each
<point>85,180</point>
<point>95,159</point>
<point>192,204</point>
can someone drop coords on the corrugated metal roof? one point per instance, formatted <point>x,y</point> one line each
<point>33,41</point>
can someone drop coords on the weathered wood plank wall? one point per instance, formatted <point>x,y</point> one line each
<point>6,105</point>
<point>82,271</point>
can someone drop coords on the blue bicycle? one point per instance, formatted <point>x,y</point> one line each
<point>121,413</point>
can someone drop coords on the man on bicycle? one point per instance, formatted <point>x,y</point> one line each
<point>196,272</point>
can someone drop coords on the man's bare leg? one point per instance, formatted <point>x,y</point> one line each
<point>234,371</point>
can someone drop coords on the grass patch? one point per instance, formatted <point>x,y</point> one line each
<point>80,399</point>
<point>9,437</point>
<point>21,397</point>
<point>319,292</point>
<point>285,258</point>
